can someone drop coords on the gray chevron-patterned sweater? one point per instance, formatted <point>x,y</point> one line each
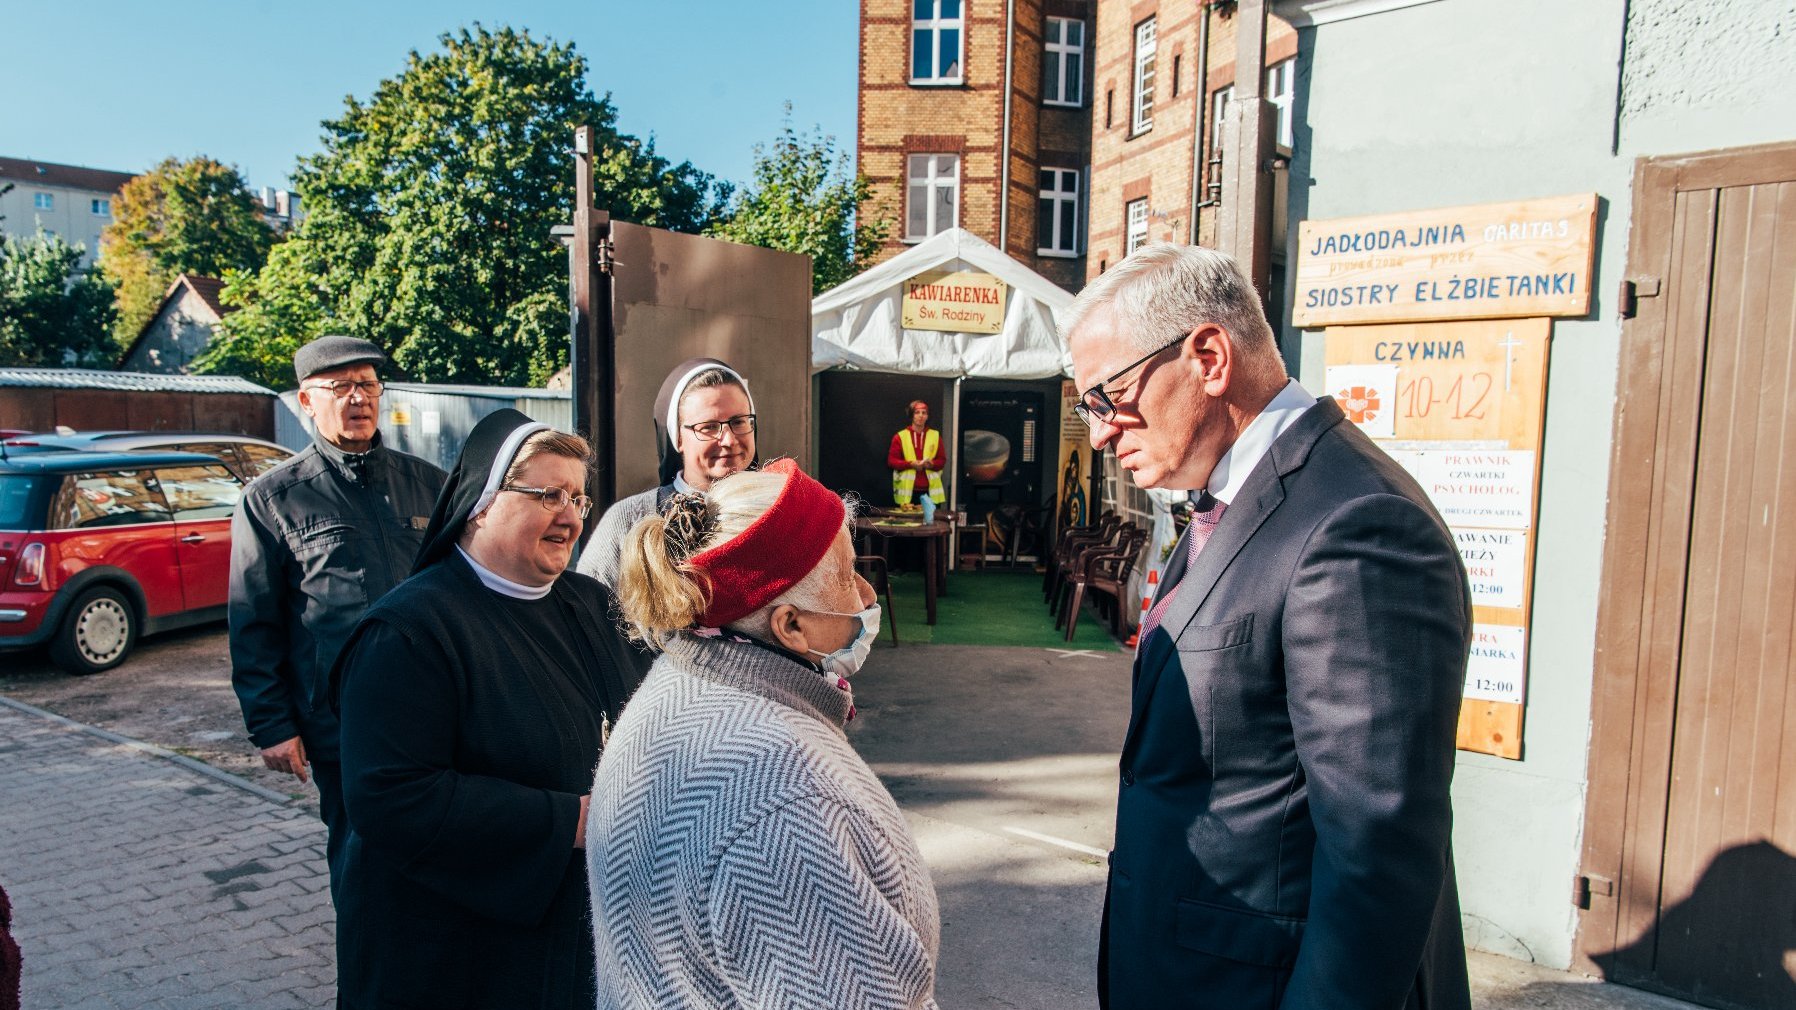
<point>742,854</point>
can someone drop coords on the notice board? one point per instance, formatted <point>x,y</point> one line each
<point>1461,406</point>
<point>1519,259</point>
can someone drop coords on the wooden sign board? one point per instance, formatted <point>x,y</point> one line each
<point>1498,260</point>
<point>1461,405</point>
<point>963,301</point>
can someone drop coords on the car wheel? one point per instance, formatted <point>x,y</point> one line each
<point>97,634</point>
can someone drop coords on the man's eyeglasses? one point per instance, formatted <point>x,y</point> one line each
<point>554,498</point>
<point>711,431</point>
<point>1095,404</point>
<point>341,388</point>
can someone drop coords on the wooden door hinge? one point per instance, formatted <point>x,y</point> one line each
<point>1587,884</point>
<point>1632,290</point>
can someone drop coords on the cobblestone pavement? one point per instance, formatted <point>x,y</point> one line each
<point>142,879</point>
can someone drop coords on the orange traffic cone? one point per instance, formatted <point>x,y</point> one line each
<point>1147,602</point>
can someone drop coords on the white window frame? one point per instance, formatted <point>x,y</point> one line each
<point>1064,246</point>
<point>1219,114</point>
<point>933,26</point>
<point>1281,81</point>
<point>1069,57</point>
<point>1141,110</point>
<point>929,180</point>
<point>100,206</point>
<point>43,201</point>
<point>1135,230</point>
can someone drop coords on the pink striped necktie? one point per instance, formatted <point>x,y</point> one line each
<point>1202,525</point>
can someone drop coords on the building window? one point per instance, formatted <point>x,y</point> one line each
<point>1219,114</point>
<point>1057,223</point>
<point>43,201</point>
<point>1137,227</point>
<point>936,32</point>
<point>1143,119</point>
<point>101,208</point>
<point>934,195</point>
<point>1279,87</point>
<point>1063,68</point>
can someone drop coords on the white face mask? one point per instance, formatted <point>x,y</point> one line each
<point>844,662</point>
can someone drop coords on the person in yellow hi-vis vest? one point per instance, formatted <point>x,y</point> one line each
<point>917,458</point>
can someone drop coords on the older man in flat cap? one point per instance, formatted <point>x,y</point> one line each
<point>314,542</point>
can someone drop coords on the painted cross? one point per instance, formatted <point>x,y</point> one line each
<point>1508,344</point>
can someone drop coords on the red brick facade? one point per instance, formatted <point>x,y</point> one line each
<point>1159,164</point>
<point>899,118</point>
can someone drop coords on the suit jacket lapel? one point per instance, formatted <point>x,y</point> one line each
<point>1262,493</point>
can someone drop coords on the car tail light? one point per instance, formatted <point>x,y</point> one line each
<point>30,571</point>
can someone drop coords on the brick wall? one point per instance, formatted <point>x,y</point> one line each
<point>898,119</point>
<point>1158,164</point>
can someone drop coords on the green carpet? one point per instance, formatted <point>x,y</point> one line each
<point>989,608</point>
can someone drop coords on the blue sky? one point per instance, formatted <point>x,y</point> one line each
<point>121,85</point>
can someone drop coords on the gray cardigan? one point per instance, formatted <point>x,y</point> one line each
<point>603,554</point>
<point>740,853</point>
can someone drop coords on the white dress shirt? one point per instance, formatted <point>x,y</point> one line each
<point>1256,440</point>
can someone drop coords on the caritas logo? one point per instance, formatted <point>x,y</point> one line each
<point>1359,403</point>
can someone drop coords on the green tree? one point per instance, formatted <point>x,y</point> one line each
<point>194,216</point>
<point>804,199</point>
<point>429,209</point>
<point>52,313</point>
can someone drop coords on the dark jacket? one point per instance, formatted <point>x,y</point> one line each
<point>313,544</point>
<point>1283,830</point>
<point>471,725</point>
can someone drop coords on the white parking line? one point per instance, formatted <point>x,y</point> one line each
<point>1063,843</point>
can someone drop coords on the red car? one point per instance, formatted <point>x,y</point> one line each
<point>100,548</point>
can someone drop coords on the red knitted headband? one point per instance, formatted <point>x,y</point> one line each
<point>775,552</point>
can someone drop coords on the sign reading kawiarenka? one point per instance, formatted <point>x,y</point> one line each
<point>960,301</point>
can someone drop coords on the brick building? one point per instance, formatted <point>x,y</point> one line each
<point>1162,73</point>
<point>943,147</point>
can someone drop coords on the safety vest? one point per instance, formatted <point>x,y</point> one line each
<point>903,481</point>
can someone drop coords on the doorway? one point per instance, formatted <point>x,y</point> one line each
<point>1688,881</point>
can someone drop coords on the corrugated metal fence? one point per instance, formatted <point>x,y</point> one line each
<point>432,421</point>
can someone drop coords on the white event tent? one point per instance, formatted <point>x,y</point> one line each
<point>856,324</point>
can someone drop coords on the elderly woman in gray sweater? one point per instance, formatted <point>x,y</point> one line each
<point>740,853</point>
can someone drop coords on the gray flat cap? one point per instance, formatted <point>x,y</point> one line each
<point>326,353</point>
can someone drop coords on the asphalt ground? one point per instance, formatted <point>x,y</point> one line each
<point>1003,759</point>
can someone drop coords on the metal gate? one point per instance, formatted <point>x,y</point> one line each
<point>1689,861</point>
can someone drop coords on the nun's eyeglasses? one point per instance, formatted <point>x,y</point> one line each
<point>555,499</point>
<point>711,431</point>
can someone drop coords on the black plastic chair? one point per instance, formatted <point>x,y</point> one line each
<point>1107,572</point>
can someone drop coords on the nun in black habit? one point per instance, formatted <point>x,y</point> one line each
<point>475,698</point>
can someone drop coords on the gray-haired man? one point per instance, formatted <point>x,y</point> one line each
<point>1283,824</point>
<point>314,542</point>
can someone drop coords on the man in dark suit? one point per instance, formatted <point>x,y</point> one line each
<point>1283,828</point>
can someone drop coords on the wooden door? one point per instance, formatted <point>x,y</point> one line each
<point>680,296</point>
<point>1690,839</point>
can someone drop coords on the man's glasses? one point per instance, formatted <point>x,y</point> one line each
<point>711,431</point>
<point>1095,404</point>
<point>341,388</point>
<point>554,498</point>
